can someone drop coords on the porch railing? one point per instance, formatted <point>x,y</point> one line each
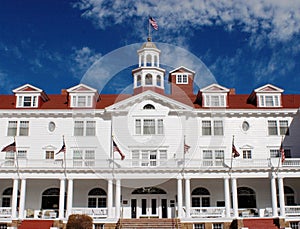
<point>292,211</point>
<point>202,212</point>
<point>93,212</point>
<point>5,212</point>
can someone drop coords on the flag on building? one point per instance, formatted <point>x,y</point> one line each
<point>235,153</point>
<point>153,23</point>
<point>186,148</point>
<point>63,148</point>
<point>116,148</point>
<point>10,148</point>
<point>281,150</point>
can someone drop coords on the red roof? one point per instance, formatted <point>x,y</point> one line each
<point>60,101</point>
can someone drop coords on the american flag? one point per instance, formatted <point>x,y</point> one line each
<point>63,148</point>
<point>10,148</point>
<point>235,153</point>
<point>281,149</point>
<point>153,23</point>
<point>116,148</point>
<point>186,148</point>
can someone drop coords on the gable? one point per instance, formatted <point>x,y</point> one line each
<point>182,69</point>
<point>81,88</point>
<point>27,88</point>
<point>268,88</point>
<point>126,104</point>
<point>214,88</point>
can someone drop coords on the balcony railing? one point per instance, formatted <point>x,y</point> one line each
<point>93,212</point>
<point>5,212</point>
<point>292,211</point>
<point>153,164</point>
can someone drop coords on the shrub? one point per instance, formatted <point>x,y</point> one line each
<point>77,221</point>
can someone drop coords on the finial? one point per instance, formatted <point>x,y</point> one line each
<point>149,39</point>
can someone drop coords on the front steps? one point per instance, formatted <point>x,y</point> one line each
<point>261,223</point>
<point>148,223</point>
<point>36,224</point>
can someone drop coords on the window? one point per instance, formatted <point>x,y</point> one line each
<point>81,101</point>
<point>49,155</point>
<point>149,107</point>
<point>7,197</point>
<point>148,79</point>
<point>182,79</point>
<point>200,197</point>
<point>24,128</point>
<point>149,126</point>
<point>247,154</point>
<point>218,127</point>
<point>97,198</point>
<point>149,158</point>
<point>27,101</point>
<point>22,154</point>
<point>295,225</point>
<point>215,101</point>
<point>13,130</point>
<point>217,226</point>
<point>83,158</point>
<point>269,100</point>
<point>281,127</point>
<point>216,130</point>
<point>213,157</point>
<point>84,128</point>
<point>206,128</point>
<point>158,80</point>
<point>98,226</point>
<point>199,226</point>
<point>272,127</point>
<point>138,81</point>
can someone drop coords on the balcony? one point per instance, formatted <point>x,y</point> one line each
<point>170,164</point>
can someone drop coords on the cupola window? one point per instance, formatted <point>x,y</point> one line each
<point>158,80</point>
<point>148,79</point>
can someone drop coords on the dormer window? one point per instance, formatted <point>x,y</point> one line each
<point>215,100</point>
<point>182,79</point>
<point>269,100</point>
<point>27,101</point>
<point>81,101</point>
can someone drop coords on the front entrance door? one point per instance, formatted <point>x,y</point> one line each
<point>149,207</point>
<point>133,208</point>
<point>164,208</point>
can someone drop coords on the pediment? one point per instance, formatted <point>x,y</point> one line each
<point>27,88</point>
<point>81,88</point>
<point>182,69</point>
<point>215,88</point>
<point>246,147</point>
<point>268,88</point>
<point>127,104</point>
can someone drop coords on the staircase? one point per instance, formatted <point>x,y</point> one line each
<point>36,224</point>
<point>261,223</point>
<point>148,223</point>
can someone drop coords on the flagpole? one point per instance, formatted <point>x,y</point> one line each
<point>149,30</point>
<point>183,153</point>
<point>280,157</point>
<point>65,163</point>
<point>16,157</point>
<point>232,152</point>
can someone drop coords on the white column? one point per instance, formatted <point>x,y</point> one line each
<point>281,196</point>
<point>109,198</point>
<point>70,197</point>
<point>234,197</point>
<point>227,197</point>
<point>274,196</point>
<point>188,197</point>
<point>62,191</point>
<point>14,199</point>
<point>22,199</point>
<point>179,197</point>
<point>118,198</point>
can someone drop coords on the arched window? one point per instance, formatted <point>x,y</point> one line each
<point>155,61</point>
<point>149,60</point>
<point>50,198</point>
<point>138,80</point>
<point>7,197</point>
<point>148,79</point>
<point>149,190</point>
<point>158,80</point>
<point>200,197</point>
<point>97,198</point>
<point>246,197</point>
<point>148,107</point>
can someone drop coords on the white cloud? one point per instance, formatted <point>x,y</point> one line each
<point>272,20</point>
<point>82,59</point>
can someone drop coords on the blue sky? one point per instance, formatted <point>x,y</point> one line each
<point>51,44</point>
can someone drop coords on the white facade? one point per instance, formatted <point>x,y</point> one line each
<point>178,156</point>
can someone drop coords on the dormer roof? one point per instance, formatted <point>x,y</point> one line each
<point>268,88</point>
<point>215,88</point>
<point>82,88</point>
